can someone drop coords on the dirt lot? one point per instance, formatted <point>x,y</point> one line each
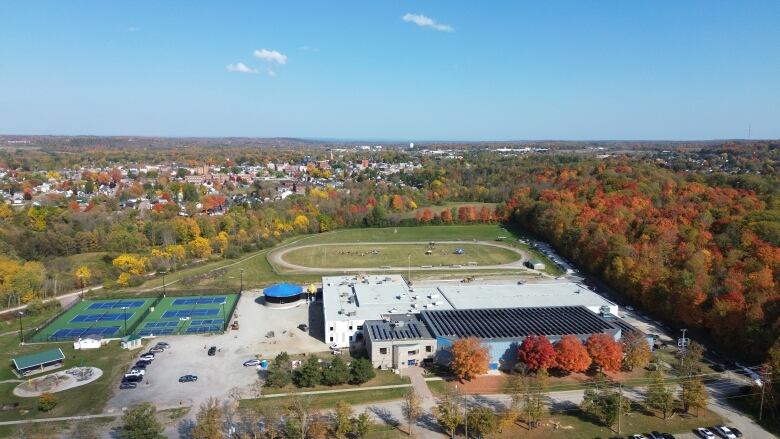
<point>220,374</point>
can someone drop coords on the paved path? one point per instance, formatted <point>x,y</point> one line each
<point>61,298</point>
<point>276,258</point>
<point>415,373</point>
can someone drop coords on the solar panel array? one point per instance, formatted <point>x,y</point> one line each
<point>190,313</point>
<point>199,301</point>
<point>385,331</point>
<point>161,325</point>
<point>202,329</point>
<point>108,317</point>
<point>117,304</point>
<point>514,322</point>
<point>105,331</point>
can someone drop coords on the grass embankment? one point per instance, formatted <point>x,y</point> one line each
<point>398,255</point>
<point>382,378</point>
<point>90,398</point>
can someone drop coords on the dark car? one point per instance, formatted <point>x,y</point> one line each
<point>156,349</point>
<point>128,385</point>
<point>140,365</point>
<point>212,351</point>
<point>188,379</point>
<point>133,379</point>
<point>667,436</point>
<point>736,432</point>
<point>303,327</point>
<point>655,435</point>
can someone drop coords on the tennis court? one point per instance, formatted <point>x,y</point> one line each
<point>188,315</point>
<point>108,318</point>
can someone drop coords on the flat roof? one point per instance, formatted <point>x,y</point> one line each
<point>370,297</point>
<point>530,294</point>
<point>405,327</point>
<point>514,323</point>
<point>38,358</point>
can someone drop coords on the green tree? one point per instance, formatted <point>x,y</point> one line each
<point>411,407</point>
<point>336,373</point>
<point>279,373</point>
<point>362,425</point>
<point>360,371</point>
<point>636,349</point>
<point>482,421</point>
<point>309,374</point>
<point>448,413</point>
<point>209,422</point>
<point>659,395</point>
<point>341,422</point>
<point>603,402</point>
<point>693,394</point>
<point>140,422</point>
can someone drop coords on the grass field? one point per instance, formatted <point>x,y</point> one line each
<point>398,255</point>
<point>258,272</point>
<point>121,319</point>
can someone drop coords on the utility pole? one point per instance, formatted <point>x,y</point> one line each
<point>409,276</point>
<point>766,376</point>
<point>683,343</point>
<point>620,403</point>
<point>21,330</point>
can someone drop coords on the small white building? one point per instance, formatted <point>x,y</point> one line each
<point>89,342</point>
<point>131,342</point>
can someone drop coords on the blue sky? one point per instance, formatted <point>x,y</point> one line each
<point>400,70</point>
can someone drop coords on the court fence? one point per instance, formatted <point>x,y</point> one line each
<point>30,338</point>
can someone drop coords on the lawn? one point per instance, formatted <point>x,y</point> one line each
<point>90,398</point>
<point>329,400</point>
<point>398,255</point>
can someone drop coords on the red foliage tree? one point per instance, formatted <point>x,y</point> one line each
<point>446,216</point>
<point>605,352</point>
<point>537,352</point>
<point>572,355</point>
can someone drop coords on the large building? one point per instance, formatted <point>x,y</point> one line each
<point>348,301</point>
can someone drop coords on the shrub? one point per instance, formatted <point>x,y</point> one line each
<point>360,371</point>
<point>46,402</point>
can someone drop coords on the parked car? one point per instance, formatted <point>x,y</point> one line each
<point>156,350</point>
<point>704,433</point>
<point>303,327</point>
<point>140,365</point>
<point>163,345</point>
<point>252,362</point>
<point>667,436</point>
<point>127,385</point>
<point>132,378</point>
<point>135,372</point>
<point>736,431</point>
<point>188,379</point>
<point>147,357</point>
<point>212,351</point>
<point>656,435</point>
<point>724,432</point>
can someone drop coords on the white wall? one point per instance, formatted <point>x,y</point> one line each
<point>341,333</point>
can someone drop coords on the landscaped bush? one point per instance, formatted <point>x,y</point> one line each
<point>46,402</point>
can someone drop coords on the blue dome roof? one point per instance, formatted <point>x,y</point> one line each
<point>283,290</point>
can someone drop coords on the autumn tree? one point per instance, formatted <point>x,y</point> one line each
<point>209,421</point>
<point>659,395</point>
<point>140,422</point>
<point>604,402</point>
<point>537,352</point>
<point>341,421</point>
<point>636,349</point>
<point>411,407</point>
<point>447,413</point>
<point>482,421</point>
<point>83,275</point>
<point>606,353</point>
<point>693,394</point>
<point>571,355</point>
<point>469,358</point>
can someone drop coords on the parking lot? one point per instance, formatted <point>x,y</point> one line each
<point>220,374</point>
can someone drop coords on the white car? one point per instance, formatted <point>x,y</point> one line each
<point>724,432</point>
<point>135,372</point>
<point>704,433</point>
<point>252,362</point>
<point>147,357</point>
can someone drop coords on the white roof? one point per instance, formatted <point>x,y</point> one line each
<point>373,296</point>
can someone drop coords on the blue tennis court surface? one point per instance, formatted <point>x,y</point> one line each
<point>155,331</point>
<point>105,331</point>
<point>199,301</point>
<point>109,317</point>
<point>118,304</point>
<point>201,329</point>
<point>190,313</point>
<point>207,322</point>
<point>161,324</point>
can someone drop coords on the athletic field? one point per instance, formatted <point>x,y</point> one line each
<point>141,316</point>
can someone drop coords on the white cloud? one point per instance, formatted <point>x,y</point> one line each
<point>270,56</point>
<point>240,68</point>
<point>422,20</point>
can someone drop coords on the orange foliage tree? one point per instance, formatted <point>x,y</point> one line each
<point>469,358</point>
<point>605,352</point>
<point>572,355</point>
<point>537,352</point>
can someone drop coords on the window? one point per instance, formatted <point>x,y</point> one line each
<point>427,349</point>
<point>350,327</point>
<point>383,351</point>
<point>411,352</point>
<point>331,339</point>
<point>360,327</point>
<point>331,328</point>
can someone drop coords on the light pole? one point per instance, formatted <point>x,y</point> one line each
<point>163,275</point>
<point>241,290</point>
<point>124,309</point>
<point>21,330</point>
<point>409,276</point>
